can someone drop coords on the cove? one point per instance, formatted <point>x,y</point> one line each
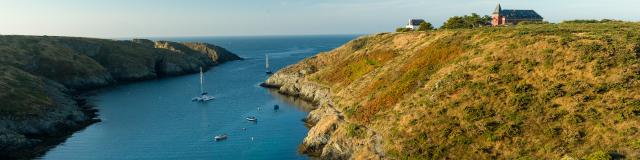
<point>156,119</point>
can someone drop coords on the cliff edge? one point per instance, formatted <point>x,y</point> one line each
<point>542,91</point>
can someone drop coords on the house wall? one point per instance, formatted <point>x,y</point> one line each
<point>497,20</point>
<point>501,20</point>
<point>412,27</point>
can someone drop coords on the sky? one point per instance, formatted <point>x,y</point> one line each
<point>185,18</point>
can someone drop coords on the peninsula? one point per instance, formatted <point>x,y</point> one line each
<point>530,91</point>
<point>43,77</point>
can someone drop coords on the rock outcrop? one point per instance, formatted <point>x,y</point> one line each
<point>41,78</point>
<point>542,91</point>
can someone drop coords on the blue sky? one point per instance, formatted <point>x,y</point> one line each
<point>159,18</point>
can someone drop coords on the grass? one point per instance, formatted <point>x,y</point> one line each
<point>23,95</point>
<point>538,91</point>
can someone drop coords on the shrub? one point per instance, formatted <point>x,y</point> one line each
<point>599,155</point>
<point>532,22</point>
<point>494,68</point>
<point>578,21</point>
<point>508,131</point>
<point>522,88</point>
<point>553,92</point>
<point>354,130</point>
<point>602,88</point>
<point>521,101</point>
<point>553,132</point>
<point>425,26</point>
<point>635,144</point>
<point>403,29</point>
<point>466,21</point>
<point>476,113</point>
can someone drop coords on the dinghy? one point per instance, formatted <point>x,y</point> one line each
<point>220,137</point>
<point>252,119</point>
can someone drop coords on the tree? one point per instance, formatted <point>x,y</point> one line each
<point>466,21</point>
<point>425,26</point>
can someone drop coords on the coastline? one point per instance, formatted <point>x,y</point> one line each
<point>89,110</point>
<point>323,121</point>
<point>48,102</point>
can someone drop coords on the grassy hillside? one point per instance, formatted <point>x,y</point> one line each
<point>39,75</point>
<point>530,91</point>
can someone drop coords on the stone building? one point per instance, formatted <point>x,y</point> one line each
<point>513,16</point>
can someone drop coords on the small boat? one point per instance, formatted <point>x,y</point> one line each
<point>266,64</point>
<point>204,96</point>
<point>220,137</point>
<point>252,119</point>
<point>276,107</point>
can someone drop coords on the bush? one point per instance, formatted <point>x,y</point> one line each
<point>521,101</point>
<point>554,92</point>
<point>354,130</point>
<point>532,22</point>
<point>476,113</point>
<point>425,26</point>
<point>402,29</point>
<point>578,21</point>
<point>466,21</point>
<point>599,155</point>
<point>508,131</point>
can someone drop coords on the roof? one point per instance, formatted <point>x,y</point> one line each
<point>416,22</point>
<point>519,14</point>
<point>498,9</point>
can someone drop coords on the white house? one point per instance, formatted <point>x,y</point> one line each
<point>414,24</point>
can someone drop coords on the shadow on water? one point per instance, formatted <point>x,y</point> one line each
<point>298,103</point>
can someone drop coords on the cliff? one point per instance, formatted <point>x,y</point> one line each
<point>543,91</point>
<point>40,77</point>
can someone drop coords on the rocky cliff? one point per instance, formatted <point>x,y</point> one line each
<point>40,77</point>
<point>543,91</point>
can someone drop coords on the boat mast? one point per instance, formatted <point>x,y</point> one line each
<point>201,81</point>
<point>267,62</point>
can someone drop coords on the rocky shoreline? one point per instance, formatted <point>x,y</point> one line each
<point>50,140</point>
<point>324,121</point>
<point>46,79</point>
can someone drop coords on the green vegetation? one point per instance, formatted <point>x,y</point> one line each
<point>39,74</point>
<point>425,26</point>
<point>403,29</point>
<point>540,91</point>
<point>590,21</point>
<point>466,21</point>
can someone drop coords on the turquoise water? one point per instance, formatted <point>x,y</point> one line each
<point>156,119</point>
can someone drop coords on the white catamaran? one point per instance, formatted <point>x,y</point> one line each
<point>204,97</point>
<point>266,59</point>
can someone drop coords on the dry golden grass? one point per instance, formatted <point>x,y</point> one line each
<point>532,91</point>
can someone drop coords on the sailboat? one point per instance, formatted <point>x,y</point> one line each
<point>266,59</point>
<point>204,96</point>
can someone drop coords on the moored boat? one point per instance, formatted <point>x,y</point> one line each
<point>220,137</point>
<point>252,119</point>
<point>204,96</point>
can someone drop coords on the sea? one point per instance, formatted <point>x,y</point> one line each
<point>156,119</point>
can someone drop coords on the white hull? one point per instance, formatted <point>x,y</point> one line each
<point>203,98</point>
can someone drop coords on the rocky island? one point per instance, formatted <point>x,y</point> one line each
<point>41,78</point>
<point>537,91</point>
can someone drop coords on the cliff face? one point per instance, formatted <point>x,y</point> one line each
<point>39,75</point>
<point>532,91</point>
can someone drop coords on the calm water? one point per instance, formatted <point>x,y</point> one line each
<point>156,119</point>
